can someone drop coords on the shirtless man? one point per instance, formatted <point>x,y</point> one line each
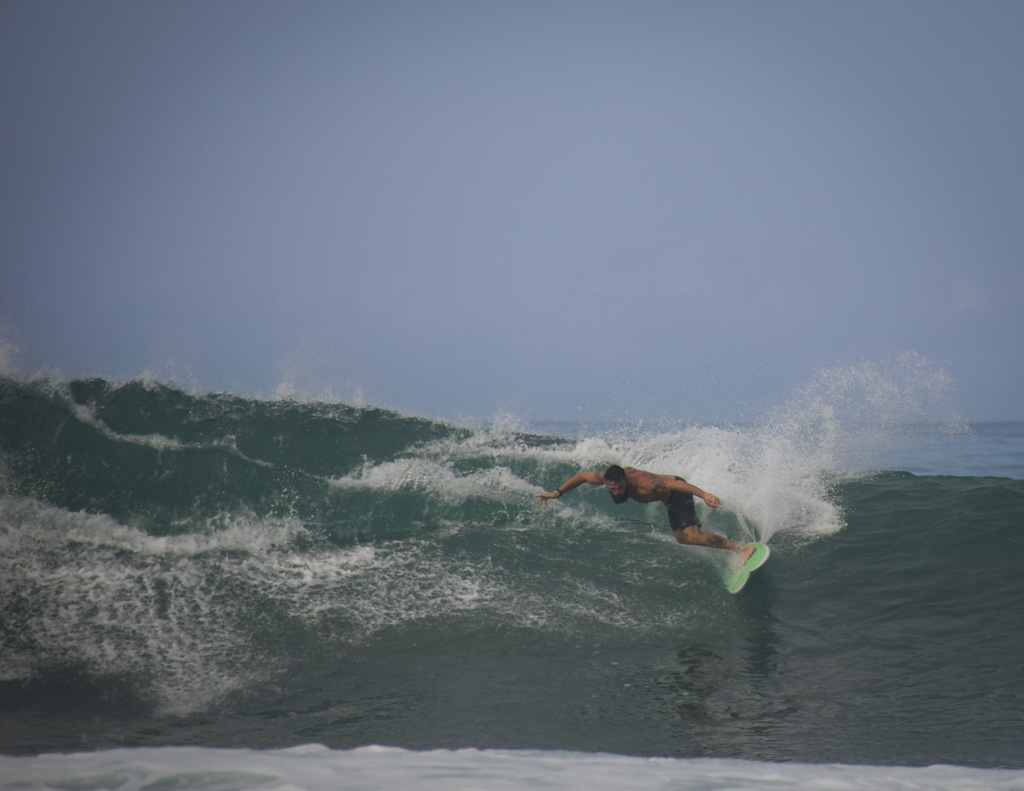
<point>646,487</point>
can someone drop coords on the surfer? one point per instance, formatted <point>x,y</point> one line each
<point>646,487</point>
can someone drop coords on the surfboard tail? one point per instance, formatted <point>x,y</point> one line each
<point>735,579</point>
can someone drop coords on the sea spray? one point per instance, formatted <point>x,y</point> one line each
<point>777,474</point>
<point>851,417</point>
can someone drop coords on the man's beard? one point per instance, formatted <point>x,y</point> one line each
<point>619,499</point>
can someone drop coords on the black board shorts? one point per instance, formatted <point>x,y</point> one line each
<point>681,511</point>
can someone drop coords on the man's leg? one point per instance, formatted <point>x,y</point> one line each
<point>693,535</point>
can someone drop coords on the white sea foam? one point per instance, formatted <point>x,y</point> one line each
<point>316,768</point>
<point>111,598</point>
<point>179,610</point>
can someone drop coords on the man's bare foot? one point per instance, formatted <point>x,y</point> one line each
<point>746,552</point>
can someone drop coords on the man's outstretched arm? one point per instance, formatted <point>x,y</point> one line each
<point>689,488</point>
<point>593,476</point>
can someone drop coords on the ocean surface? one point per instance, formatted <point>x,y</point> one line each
<point>222,592</point>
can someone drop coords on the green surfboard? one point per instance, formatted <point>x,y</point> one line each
<point>735,577</point>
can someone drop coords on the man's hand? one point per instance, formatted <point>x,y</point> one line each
<point>543,497</point>
<point>711,499</point>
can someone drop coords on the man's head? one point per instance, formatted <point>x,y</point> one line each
<point>615,480</point>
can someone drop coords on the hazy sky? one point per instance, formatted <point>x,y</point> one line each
<point>557,209</point>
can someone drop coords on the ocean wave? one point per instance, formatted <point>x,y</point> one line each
<point>174,558</point>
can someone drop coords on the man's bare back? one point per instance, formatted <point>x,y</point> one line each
<point>648,487</point>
